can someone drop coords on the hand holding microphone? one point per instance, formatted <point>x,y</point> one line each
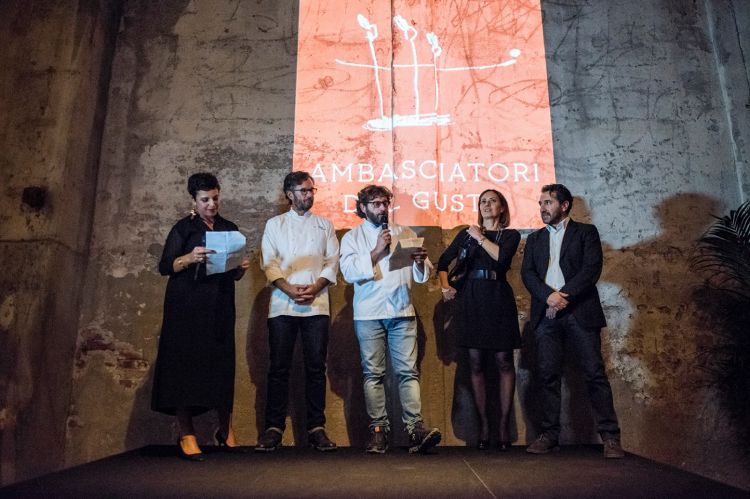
<point>385,233</point>
<point>383,244</point>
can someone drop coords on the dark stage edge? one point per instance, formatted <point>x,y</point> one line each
<point>575,471</point>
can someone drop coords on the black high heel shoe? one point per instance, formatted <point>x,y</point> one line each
<point>483,444</point>
<point>223,446</point>
<point>196,458</point>
<point>503,446</point>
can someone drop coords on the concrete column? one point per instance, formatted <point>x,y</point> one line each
<point>55,65</point>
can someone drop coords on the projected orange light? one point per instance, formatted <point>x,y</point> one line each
<point>437,100</point>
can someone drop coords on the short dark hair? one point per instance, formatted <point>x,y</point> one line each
<point>369,193</point>
<point>561,193</point>
<point>294,179</point>
<point>505,217</point>
<point>202,182</point>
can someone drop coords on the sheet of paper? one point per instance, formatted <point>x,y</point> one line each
<point>401,254</point>
<point>230,249</point>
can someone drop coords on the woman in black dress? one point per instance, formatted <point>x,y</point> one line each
<point>487,317</point>
<point>195,365</point>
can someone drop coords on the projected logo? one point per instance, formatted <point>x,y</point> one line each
<point>436,100</point>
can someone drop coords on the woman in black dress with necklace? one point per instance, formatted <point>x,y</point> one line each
<point>195,365</point>
<point>488,317</point>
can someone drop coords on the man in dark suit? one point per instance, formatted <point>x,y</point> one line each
<point>562,263</point>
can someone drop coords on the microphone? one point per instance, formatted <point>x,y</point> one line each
<point>197,268</point>
<point>198,265</point>
<point>384,226</point>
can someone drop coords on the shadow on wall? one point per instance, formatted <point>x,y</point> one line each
<point>654,339</point>
<point>147,427</point>
<point>257,347</point>
<point>464,419</point>
<point>344,370</point>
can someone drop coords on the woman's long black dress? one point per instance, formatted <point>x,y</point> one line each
<point>487,313</point>
<point>195,363</point>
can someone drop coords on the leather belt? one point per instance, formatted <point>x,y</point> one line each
<point>489,275</point>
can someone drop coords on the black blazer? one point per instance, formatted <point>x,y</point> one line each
<point>581,264</point>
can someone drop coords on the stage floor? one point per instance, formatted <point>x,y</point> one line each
<point>575,471</point>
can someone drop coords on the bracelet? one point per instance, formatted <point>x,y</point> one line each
<point>481,242</point>
<point>179,263</point>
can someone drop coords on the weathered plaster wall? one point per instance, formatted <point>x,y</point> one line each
<point>203,85</point>
<point>53,87</point>
<point>649,110</point>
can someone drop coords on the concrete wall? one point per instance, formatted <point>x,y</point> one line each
<point>729,29</point>
<point>649,110</point>
<point>55,61</point>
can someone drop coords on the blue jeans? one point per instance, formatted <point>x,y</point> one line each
<point>399,336</point>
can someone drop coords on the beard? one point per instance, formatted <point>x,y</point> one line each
<point>303,204</point>
<point>553,218</point>
<point>375,218</point>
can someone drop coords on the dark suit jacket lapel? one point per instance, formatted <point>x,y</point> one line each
<point>570,234</point>
<point>543,254</point>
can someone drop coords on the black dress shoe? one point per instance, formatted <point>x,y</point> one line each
<point>542,445</point>
<point>320,441</point>
<point>224,447</point>
<point>483,444</point>
<point>503,446</point>
<point>196,458</point>
<point>269,441</point>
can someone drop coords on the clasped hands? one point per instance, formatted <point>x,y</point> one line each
<point>301,294</point>
<point>556,302</point>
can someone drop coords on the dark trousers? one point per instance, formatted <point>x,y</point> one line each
<point>282,334</point>
<point>555,336</point>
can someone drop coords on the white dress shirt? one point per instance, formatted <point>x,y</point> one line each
<point>379,293</point>
<point>300,249</point>
<point>555,278</point>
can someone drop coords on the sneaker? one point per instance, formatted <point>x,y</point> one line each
<point>613,449</point>
<point>542,445</point>
<point>378,443</point>
<point>319,440</point>
<point>269,441</point>
<point>422,439</point>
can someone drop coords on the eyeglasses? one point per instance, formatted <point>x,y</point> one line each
<point>311,190</point>
<point>378,204</point>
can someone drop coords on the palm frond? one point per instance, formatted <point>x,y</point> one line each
<point>723,254</point>
<point>724,251</point>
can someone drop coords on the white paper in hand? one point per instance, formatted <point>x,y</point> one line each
<point>401,255</point>
<point>230,249</point>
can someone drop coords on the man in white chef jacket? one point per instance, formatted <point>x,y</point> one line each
<point>300,255</point>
